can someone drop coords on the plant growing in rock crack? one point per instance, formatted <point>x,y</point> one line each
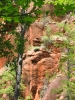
<point>29,97</point>
<point>46,39</point>
<point>34,48</point>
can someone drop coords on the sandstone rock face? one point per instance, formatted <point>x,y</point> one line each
<point>2,62</point>
<point>35,31</point>
<point>54,85</point>
<point>39,64</point>
<point>53,27</point>
<point>35,68</point>
<point>33,35</point>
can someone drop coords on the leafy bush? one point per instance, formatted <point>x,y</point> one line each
<point>7,83</point>
<point>62,6</point>
<point>46,39</point>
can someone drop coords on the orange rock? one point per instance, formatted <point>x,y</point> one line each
<point>35,31</point>
<point>54,28</point>
<point>2,61</point>
<point>34,71</point>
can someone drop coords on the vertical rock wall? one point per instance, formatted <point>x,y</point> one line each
<point>39,64</point>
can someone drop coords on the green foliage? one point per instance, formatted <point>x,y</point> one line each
<point>11,14</point>
<point>7,83</point>
<point>46,39</point>
<point>62,7</point>
<point>5,45</point>
<point>29,97</point>
<point>68,61</point>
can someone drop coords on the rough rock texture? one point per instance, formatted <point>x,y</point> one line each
<point>33,35</point>
<point>35,67</point>
<point>53,27</point>
<point>54,85</point>
<point>39,62</point>
<point>35,31</point>
<point>2,62</point>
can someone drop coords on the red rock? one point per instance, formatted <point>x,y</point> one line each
<point>54,28</point>
<point>2,62</point>
<point>53,55</point>
<point>35,31</point>
<point>34,70</point>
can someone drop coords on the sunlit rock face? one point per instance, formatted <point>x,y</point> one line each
<point>2,62</point>
<point>36,66</point>
<point>39,63</point>
<point>33,36</point>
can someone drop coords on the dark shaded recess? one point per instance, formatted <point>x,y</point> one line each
<point>34,90</point>
<point>45,54</point>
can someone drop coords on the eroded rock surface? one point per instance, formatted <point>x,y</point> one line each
<point>2,61</point>
<point>35,67</point>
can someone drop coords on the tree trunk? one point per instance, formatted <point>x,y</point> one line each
<point>19,63</point>
<point>18,78</point>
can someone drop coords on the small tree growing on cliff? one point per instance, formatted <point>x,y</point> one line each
<point>68,59</point>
